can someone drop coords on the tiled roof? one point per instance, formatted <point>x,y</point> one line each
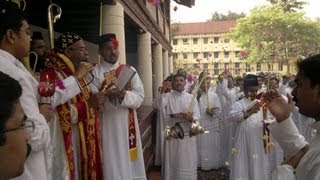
<point>204,27</point>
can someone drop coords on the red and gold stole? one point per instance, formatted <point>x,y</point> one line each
<point>88,124</point>
<point>266,132</point>
<point>110,79</point>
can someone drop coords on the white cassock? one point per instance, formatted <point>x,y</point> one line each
<point>276,154</point>
<point>209,147</point>
<point>159,131</point>
<point>114,129</point>
<point>227,98</point>
<point>303,124</point>
<point>282,89</point>
<point>56,154</point>
<point>287,135</point>
<point>249,161</point>
<point>180,155</point>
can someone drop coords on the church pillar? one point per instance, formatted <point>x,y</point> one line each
<point>170,64</point>
<point>165,65</point>
<point>157,67</point>
<point>113,22</point>
<point>144,66</point>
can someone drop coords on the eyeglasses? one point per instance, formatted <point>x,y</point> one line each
<point>27,31</point>
<point>27,124</point>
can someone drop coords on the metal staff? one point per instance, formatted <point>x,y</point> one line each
<point>52,18</point>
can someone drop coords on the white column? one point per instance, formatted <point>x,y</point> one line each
<point>113,22</point>
<point>170,64</point>
<point>144,66</point>
<point>165,64</point>
<point>157,68</point>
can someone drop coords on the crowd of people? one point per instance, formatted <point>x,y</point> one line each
<point>88,128</point>
<point>237,118</point>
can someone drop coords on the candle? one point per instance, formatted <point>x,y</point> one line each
<point>207,94</point>
<point>194,93</point>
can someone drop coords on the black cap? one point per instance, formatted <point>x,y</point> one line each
<point>66,40</point>
<point>105,38</point>
<point>250,80</point>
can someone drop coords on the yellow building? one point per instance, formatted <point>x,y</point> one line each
<point>204,46</point>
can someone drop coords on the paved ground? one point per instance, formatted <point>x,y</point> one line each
<point>216,174</point>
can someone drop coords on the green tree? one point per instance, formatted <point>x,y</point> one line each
<point>289,5</point>
<point>175,27</point>
<point>216,16</point>
<point>271,35</point>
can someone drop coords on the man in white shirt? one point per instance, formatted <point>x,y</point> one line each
<point>209,147</point>
<point>14,44</point>
<point>180,155</point>
<point>302,163</point>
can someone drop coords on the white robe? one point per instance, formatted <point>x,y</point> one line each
<point>58,165</point>
<point>114,130</point>
<point>249,161</point>
<point>209,147</point>
<point>159,131</point>
<point>291,141</point>
<point>303,124</point>
<point>180,155</point>
<point>227,98</point>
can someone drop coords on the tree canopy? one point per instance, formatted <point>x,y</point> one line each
<point>216,16</point>
<point>271,34</point>
<point>289,5</point>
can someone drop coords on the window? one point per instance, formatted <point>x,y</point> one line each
<point>216,65</point>
<point>258,66</point>
<point>226,65</point>
<point>205,55</point>
<point>195,55</point>
<point>185,56</point>
<point>226,54</point>
<point>216,71</point>
<point>237,53</point>
<point>205,66</point>
<point>280,66</point>
<point>216,40</point>
<point>195,40</point>
<point>226,40</point>
<point>205,40</point>
<point>175,56</point>
<point>247,67</point>
<point>237,65</point>
<point>216,54</point>
<point>270,67</point>
<point>175,41</point>
<point>185,41</point>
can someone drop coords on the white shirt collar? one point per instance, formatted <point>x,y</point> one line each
<point>10,57</point>
<point>109,65</point>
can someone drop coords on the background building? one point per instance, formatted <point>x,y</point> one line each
<point>205,46</point>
